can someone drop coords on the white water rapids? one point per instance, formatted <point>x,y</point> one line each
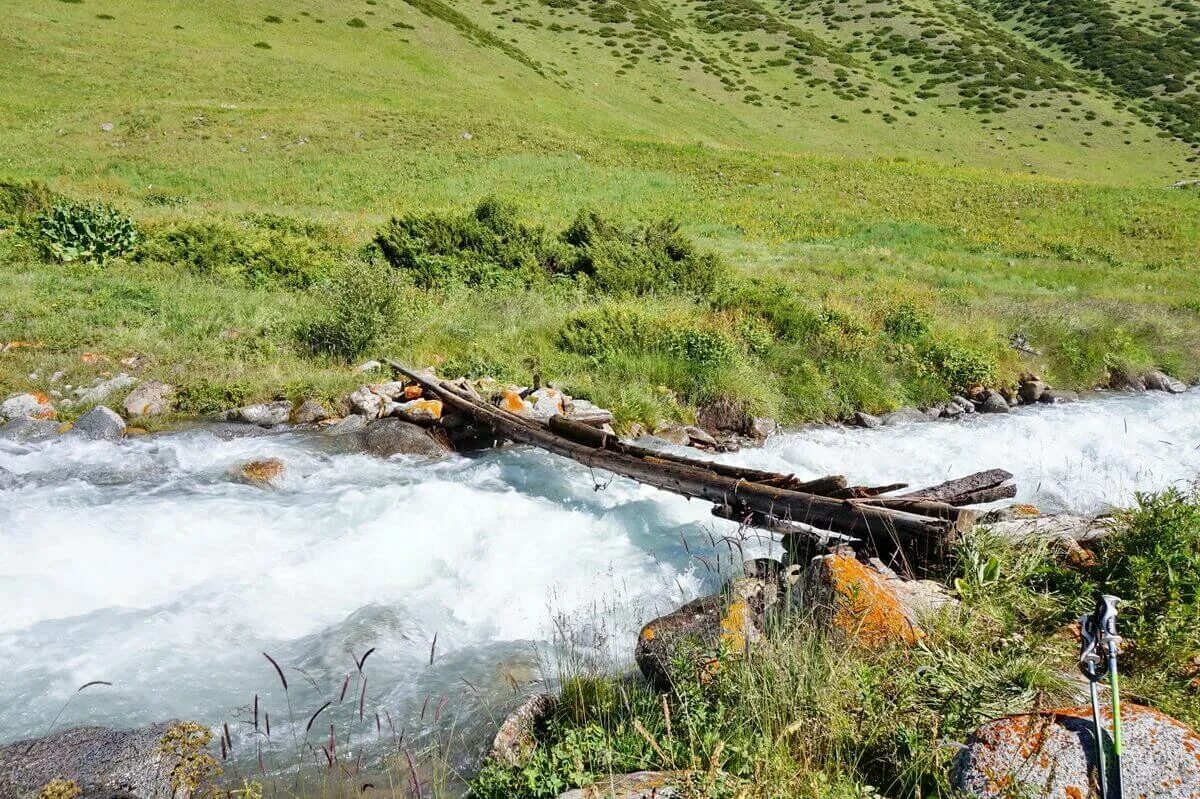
<point>144,564</point>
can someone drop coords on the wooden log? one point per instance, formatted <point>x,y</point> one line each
<point>960,490</point>
<point>935,510</point>
<point>985,495</point>
<point>851,519</point>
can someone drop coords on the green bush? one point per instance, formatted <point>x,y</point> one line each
<point>605,331</point>
<point>86,232</point>
<point>203,397</point>
<point>22,203</point>
<point>957,365</point>
<point>259,250</point>
<point>360,303</point>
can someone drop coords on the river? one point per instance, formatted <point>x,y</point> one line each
<point>142,563</point>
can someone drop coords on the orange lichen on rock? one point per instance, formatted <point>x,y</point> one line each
<point>863,606</point>
<point>263,473</point>
<point>511,401</point>
<point>413,392</point>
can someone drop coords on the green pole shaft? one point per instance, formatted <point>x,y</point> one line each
<point>1114,685</point>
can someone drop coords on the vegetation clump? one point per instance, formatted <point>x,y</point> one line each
<point>86,232</point>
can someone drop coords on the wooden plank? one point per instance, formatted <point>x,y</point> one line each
<point>960,490</point>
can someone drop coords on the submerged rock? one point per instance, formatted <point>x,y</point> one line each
<point>104,763</point>
<point>639,785</point>
<point>24,429</point>
<point>99,424</point>
<point>993,402</point>
<point>388,437</point>
<point>264,473</point>
<point>1053,396</point>
<point>150,398</point>
<point>1052,755</point>
<point>863,419</point>
<point>903,416</point>
<point>517,737</point>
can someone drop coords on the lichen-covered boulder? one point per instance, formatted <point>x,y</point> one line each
<point>98,424</point>
<point>1051,755</point>
<point>857,601</point>
<point>310,412</point>
<point>713,623</point>
<point>639,785</point>
<point>102,762</point>
<point>516,739</point>
<point>419,411</point>
<point>266,473</point>
<point>31,405</point>
<point>151,398</point>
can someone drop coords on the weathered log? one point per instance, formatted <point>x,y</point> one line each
<point>985,495</point>
<point>861,521</point>
<point>860,492</point>
<point>924,507</point>
<point>961,491</point>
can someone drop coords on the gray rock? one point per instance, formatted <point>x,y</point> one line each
<point>1058,527</point>
<point>1160,381</point>
<point>867,420</point>
<point>951,410</point>
<point>1054,396</point>
<point>707,622</point>
<point>26,406</point>
<point>1052,754</point>
<point>311,412</point>
<point>98,424</point>
<point>993,402</point>
<point>964,403</point>
<point>388,437</point>
<point>673,434</point>
<point>763,427</point>
<point>351,424</point>
<point>1126,382</point>
<point>639,785</point>
<point>904,416</point>
<point>103,762</point>
<point>1031,391</point>
<point>23,429</point>
<point>393,390</point>
<point>105,388</point>
<point>369,366</point>
<point>517,737</point>
<point>365,402</point>
<point>264,414</point>
<point>151,398</point>
<point>699,438</point>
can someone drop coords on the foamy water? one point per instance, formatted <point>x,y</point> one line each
<point>144,564</point>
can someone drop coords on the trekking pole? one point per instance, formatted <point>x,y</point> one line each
<point>1110,642</point>
<point>1089,664</point>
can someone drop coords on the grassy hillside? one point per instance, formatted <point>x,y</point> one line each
<point>969,164</point>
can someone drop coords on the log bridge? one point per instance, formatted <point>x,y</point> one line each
<point>912,532</point>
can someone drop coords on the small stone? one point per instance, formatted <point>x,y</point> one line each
<point>263,414</point>
<point>107,127</point>
<point>310,412</point>
<point>951,410</point>
<point>393,390</point>
<point>547,402</point>
<point>32,405</point>
<point>699,438</point>
<point>264,473</point>
<point>903,416</point>
<point>99,424</point>
<point>1160,381</point>
<point>512,401</point>
<point>466,135</point>
<point>863,419</point>
<point>365,402</point>
<point>964,403</point>
<point>102,389</point>
<point>369,366</point>
<point>763,427</point>
<point>517,737</point>
<point>150,398</point>
<point>413,392</point>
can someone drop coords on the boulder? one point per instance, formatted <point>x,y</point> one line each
<point>1123,381</point>
<point>24,429</point>
<point>512,400</point>
<point>673,434</point>
<point>517,737</point>
<point>1052,755</point>
<point>1160,381</point>
<point>388,437</point>
<point>992,402</point>
<point>98,424</point>
<point>151,398</point>
<point>310,412</point>
<point>105,388</point>
<point>368,366</point>
<point>394,390</point>
<point>639,785</point>
<point>700,438</point>
<point>856,601</point>
<point>1054,396</point>
<point>904,416</point>
<point>264,414</point>
<point>724,415</point>
<point>32,405</point>
<point>419,411</point>
<point>588,413</point>
<point>351,424</point>
<point>763,427</point>
<point>862,419</point>
<point>102,762</point>
<point>546,403</point>
<point>1060,527</point>
<point>710,623</point>
<point>365,402</point>
<point>265,473</point>
<point>964,403</point>
<point>1031,391</point>
<point>950,410</point>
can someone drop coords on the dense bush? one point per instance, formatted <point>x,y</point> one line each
<point>260,250</point>
<point>86,232</point>
<point>359,304</point>
<point>491,247</point>
<point>22,203</point>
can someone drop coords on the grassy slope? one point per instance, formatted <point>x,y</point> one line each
<point>348,125</point>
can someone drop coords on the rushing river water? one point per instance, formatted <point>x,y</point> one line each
<point>144,564</point>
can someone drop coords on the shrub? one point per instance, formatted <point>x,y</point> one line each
<point>87,232</point>
<point>22,203</point>
<point>906,322</point>
<point>957,365</point>
<point>605,331</point>
<point>202,397</point>
<point>360,302</point>
<point>258,250</point>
